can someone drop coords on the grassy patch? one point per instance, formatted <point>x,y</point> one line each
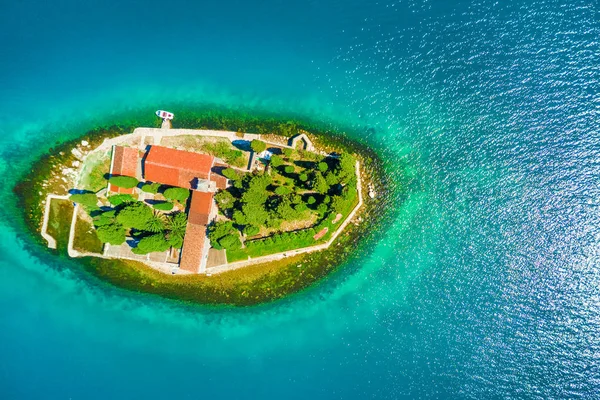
<point>59,222</point>
<point>218,147</point>
<point>327,223</point>
<point>236,255</point>
<point>86,239</point>
<point>227,152</point>
<point>95,170</point>
<point>274,244</point>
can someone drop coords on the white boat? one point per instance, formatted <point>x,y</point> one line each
<point>164,114</point>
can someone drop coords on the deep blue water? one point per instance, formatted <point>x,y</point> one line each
<point>487,284</point>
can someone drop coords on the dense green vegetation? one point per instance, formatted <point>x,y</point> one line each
<point>85,199</point>
<point>118,199</point>
<point>300,186</point>
<point>258,146</point>
<point>151,187</point>
<point>223,235</point>
<point>163,206</point>
<point>125,182</point>
<point>231,174</point>
<point>154,230</point>
<point>112,233</point>
<point>177,194</point>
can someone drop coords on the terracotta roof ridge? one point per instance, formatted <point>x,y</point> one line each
<point>158,164</point>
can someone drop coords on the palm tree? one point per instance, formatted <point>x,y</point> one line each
<point>176,225</point>
<point>156,224</point>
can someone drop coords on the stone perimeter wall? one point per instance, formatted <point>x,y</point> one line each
<point>138,137</point>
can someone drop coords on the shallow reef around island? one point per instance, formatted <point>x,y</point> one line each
<point>250,285</point>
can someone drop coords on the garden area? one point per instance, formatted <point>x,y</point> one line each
<point>297,201</point>
<point>154,227</point>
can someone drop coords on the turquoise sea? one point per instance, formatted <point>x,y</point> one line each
<point>485,282</point>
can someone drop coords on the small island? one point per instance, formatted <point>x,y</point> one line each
<point>186,201</point>
<point>205,214</point>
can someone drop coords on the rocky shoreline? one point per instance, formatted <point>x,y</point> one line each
<point>58,171</point>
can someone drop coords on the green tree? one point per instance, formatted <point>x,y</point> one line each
<point>152,243</point>
<point>238,184</point>
<point>156,223</point>
<point>219,229</point>
<point>289,169</point>
<point>135,215</point>
<point>176,225</point>
<point>151,187</point>
<point>85,199</point>
<point>322,166</point>
<point>178,194</point>
<point>239,218</point>
<point>257,190</point>
<point>231,173</point>
<point>332,179</point>
<point>255,214</point>
<point>338,204</point>
<point>111,233</point>
<point>118,199</point>
<point>303,177</point>
<point>174,241</point>
<point>251,230</point>
<point>258,146</point>
<point>276,161</point>
<point>346,167</point>
<point>300,207</point>
<point>282,190</point>
<point>163,206</point>
<point>122,181</point>
<point>311,200</point>
<point>320,184</point>
<point>286,211</point>
<point>322,209</point>
<point>231,241</point>
<point>274,222</point>
<point>177,222</point>
<point>225,200</point>
<point>106,218</point>
<point>288,152</point>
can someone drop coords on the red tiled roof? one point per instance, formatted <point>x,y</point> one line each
<point>200,207</point>
<point>176,167</point>
<point>219,180</point>
<point>195,232</point>
<point>193,245</point>
<point>124,162</point>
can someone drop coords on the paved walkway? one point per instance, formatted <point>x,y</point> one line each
<point>166,124</point>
